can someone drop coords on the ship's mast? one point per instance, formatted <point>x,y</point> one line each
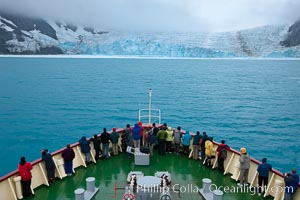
<point>150,104</point>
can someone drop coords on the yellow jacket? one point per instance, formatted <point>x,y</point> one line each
<point>208,148</point>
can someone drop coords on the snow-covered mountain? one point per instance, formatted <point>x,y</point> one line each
<point>21,35</point>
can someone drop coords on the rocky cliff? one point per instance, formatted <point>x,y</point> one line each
<point>293,37</point>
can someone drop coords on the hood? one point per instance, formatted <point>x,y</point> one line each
<point>83,138</point>
<point>22,160</point>
<point>243,150</point>
<point>187,132</point>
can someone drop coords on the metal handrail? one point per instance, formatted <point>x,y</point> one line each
<point>150,116</point>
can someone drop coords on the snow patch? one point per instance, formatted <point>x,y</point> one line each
<point>7,21</point>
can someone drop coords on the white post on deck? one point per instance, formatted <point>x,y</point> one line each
<point>17,181</point>
<point>150,102</point>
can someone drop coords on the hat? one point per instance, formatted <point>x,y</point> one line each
<point>22,159</point>
<point>169,128</point>
<point>243,150</point>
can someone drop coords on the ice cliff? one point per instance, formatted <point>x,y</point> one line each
<point>22,35</point>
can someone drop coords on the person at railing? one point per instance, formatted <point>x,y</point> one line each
<point>244,167</point>
<point>263,175</point>
<point>161,136</point>
<point>25,173</point>
<point>85,149</point>
<point>177,139</point>
<point>169,139</point>
<point>128,138</point>
<point>136,135</point>
<point>114,140</point>
<point>50,166</point>
<point>202,144</point>
<point>196,144</point>
<point>208,152</point>
<point>222,155</point>
<point>68,155</point>
<point>291,181</point>
<point>96,142</point>
<point>141,134</point>
<point>152,137</point>
<point>186,139</point>
<point>105,137</point>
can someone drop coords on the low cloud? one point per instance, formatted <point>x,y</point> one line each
<point>161,15</point>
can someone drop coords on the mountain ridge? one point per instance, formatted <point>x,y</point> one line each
<point>24,35</point>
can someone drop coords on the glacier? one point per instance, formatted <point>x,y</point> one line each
<point>260,42</point>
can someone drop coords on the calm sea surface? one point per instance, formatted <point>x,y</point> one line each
<point>49,102</point>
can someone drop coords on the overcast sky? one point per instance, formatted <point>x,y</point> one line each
<point>162,15</point>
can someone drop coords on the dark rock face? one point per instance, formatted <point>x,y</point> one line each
<point>4,36</point>
<point>88,29</point>
<point>42,51</point>
<point>17,28</point>
<point>72,27</point>
<point>25,35</point>
<point>29,24</point>
<point>293,37</point>
<point>67,26</point>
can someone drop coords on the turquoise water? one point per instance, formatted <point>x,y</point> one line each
<point>49,102</point>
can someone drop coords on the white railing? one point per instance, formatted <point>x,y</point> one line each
<point>10,184</point>
<point>148,114</point>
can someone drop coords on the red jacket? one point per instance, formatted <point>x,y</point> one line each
<point>24,171</point>
<point>221,146</point>
<point>142,129</point>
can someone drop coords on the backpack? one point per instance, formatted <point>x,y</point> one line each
<point>223,153</point>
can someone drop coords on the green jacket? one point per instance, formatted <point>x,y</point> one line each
<point>114,137</point>
<point>162,135</point>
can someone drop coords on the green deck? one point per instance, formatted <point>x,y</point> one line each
<point>113,172</point>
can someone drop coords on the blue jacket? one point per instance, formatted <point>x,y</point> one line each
<point>291,183</point>
<point>47,157</point>
<point>263,169</point>
<point>186,138</point>
<point>84,145</point>
<point>136,132</point>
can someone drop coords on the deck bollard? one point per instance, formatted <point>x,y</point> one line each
<point>279,190</point>
<point>17,181</point>
<point>206,182</point>
<point>217,195</point>
<point>79,194</point>
<point>90,191</point>
<point>90,184</point>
